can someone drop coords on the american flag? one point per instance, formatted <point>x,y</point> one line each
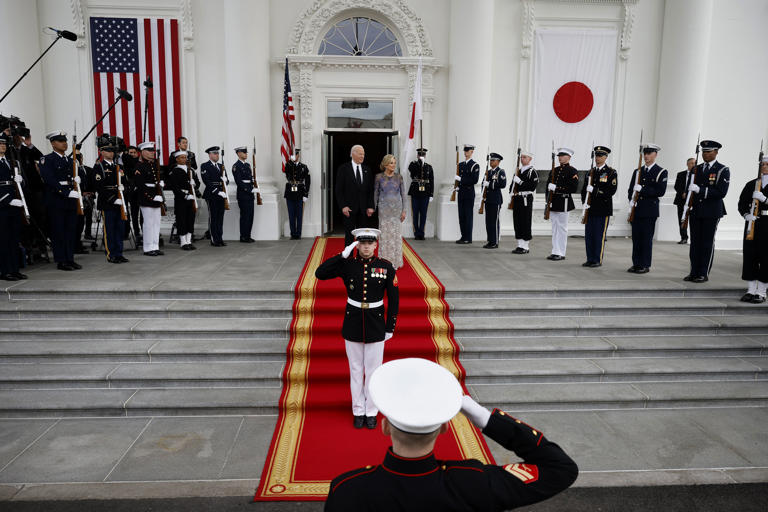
<point>289,143</point>
<point>125,52</point>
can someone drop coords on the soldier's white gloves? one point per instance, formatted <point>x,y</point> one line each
<point>17,178</point>
<point>158,199</point>
<point>162,183</point>
<point>485,183</point>
<point>118,202</point>
<point>223,194</point>
<point>551,187</point>
<point>632,204</point>
<point>586,207</point>
<point>637,188</point>
<point>476,413</point>
<point>694,188</point>
<point>430,199</point>
<point>16,202</point>
<point>517,179</point>
<point>590,188</point>
<point>74,195</point>
<point>77,179</point>
<point>759,196</point>
<point>750,218</point>
<point>256,190</point>
<point>457,178</point>
<point>304,199</point>
<point>121,188</point>
<point>189,197</point>
<point>388,335</point>
<point>348,249</point>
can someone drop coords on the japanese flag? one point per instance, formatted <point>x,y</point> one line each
<point>573,91</point>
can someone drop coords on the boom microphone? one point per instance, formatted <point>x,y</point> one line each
<point>66,34</point>
<point>124,94</point>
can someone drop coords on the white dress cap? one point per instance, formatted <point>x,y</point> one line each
<point>567,151</point>
<point>146,145</point>
<point>366,234</point>
<point>525,152</point>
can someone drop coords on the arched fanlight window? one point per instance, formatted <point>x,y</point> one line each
<point>360,37</point>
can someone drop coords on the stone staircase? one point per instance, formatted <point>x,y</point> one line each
<point>126,351</point>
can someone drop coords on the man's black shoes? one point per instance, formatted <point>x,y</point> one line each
<point>359,421</point>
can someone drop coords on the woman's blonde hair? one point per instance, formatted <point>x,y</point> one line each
<point>385,161</point>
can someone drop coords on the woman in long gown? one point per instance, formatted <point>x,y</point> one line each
<point>389,198</point>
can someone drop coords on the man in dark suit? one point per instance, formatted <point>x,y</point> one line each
<point>682,181</point>
<point>354,193</point>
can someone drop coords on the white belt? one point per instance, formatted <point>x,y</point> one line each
<point>526,193</point>
<point>246,181</point>
<point>365,305</point>
<point>63,183</point>
<point>763,212</point>
<point>149,184</point>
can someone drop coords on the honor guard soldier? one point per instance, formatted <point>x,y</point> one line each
<point>418,399</point>
<point>146,178</point>
<point>11,211</point>
<point>108,189</point>
<point>85,221</point>
<point>709,186</point>
<point>246,193</point>
<point>183,145</point>
<point>495,182</point>
<point>524,185</point>
<point>61,200</point>
<point>755,266</point>
<point>682,181</point>
<point>561,183</point>
<point>367,279</point>
<point>421,191</point>
<point>469,174</point>
<point>600,206</point>
<point>651,185</point>
<point>296,192</point>
<point>184,202</point>
<point>213,176</point>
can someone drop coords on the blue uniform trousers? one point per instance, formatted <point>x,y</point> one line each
<point>419,207</point>
<point>702,250</point>
<point>114,227</point>
<point>245,201</point>
<point>594,237</point>
<point>492,225</point>
<point>63,227</point>
<point>642,241</point>
<point>10,229</point>
<point>216,218</point>
<point>295,212</point>
<point>466,204</point>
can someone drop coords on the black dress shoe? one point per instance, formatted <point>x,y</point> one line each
<point>595,264</point>
<point>18,275</point>
<point>642,270</point>
<point>757,299</point>
<point>192,247</point>
<point>74,265</point>
<point>358,422</point>
<point>683,241</point>
<point>159,252</point>
<point>491,246</point>
<point>556,257</point>
<point>460,241</point>
<point>520,250</point>
<point>113,260</point>
<point>370,422</point>
<point>633,269</point>
<point>747,297</point>
<point>700,279</point>
<point>149,253</point>
<point>551,257</point>
<point>186,247</point>
<point>64,266</point>
<point>8,277</point>
<point>122,259</point>
<point>586,264</point>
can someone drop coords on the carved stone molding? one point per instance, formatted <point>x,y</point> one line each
<point>78,21</point>
<point>306,31</point>
<point>187,25</point>
<point>529,15</point>
<point>626,30</point>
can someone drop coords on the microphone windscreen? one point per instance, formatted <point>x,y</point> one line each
<point>124,94</point>
<point>66,34</point>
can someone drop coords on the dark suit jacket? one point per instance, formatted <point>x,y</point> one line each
<point>681,188</point>
<point>349,193</point>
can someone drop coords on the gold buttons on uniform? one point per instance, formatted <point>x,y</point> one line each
<point>368,467</point>
<point>534,432</point>
<point>443,467</point>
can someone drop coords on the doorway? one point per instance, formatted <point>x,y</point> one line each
<point>337,145</point>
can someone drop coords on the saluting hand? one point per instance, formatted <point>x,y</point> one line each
<point>348,249</point>
<point>476,413</point>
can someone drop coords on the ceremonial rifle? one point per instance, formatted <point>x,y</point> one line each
<point>224,179</point>
<point>513,191</point>
<point>689,196</point>
<point>549,192</point>
<point>192,188</point>
<point>158,187</point>
<point>635,194</point>
<point>75,184</point>
<point>590,180</point>
<point>20,192</point>
<point>485,179</point>
<point>253,165</point>
<point>123,211</point>
<point>458,173</point>
<point>755,203</point>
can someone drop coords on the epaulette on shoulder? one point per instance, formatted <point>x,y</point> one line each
<point>350,475</point>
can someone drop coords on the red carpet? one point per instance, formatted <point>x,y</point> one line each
<point>314,440</point>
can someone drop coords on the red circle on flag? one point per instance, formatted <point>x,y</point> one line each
<point>573,102</point>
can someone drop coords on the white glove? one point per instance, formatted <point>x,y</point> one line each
<point>256,190</point>
<point>16,202</point>
<point>759,196</point>
<point>17,178</point>
<point>189,197</point>
<point>223,194</point>
<point>637,188</point>
<point>748,217</point>
<point>476,413</point>
<point>304,199</point>
<point>348,249</point>
<point>694,188</point>
<point>162,183</point>
<point>517,179</point>
<point>590,188</point>
<point>457,178</point>
<point>485,183</point>
<point>118,202</point>
<point>77,179</point>
<point>586,206</point>
<point>551,187</point>
<point>74,195</point>
<point>121,188</point>
<point>632,204</point>
<point>430,199</point>
<point>388,335</point>
<point>158,199</point>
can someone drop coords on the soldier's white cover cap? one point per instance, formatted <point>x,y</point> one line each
<point>416,395</point>
<point>366,234</point>
<point>57,135</point>
<point>146,145</point>
<point>179,153</point>
<point>567,151</point>
<point>765,159</point>
<point>651,147</point>
<point>526,152</point>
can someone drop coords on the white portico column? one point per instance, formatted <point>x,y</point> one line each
<point>682,87</point>
<point>469,94</point>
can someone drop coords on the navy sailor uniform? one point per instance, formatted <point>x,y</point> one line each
<point>497,181</point>
<point>243,175</point>
<point>213,176</point>
<point>755,266</point>
<point>522,208</point>
<point>10,221</point>
<point>653,181</point>
<point>421,191</point>
<point>469,173</point>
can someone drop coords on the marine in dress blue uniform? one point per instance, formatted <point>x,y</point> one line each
<point>246,193</point>
<point>469,174</point>
<point>600,207</point>
<point>496,181</point>
<point>213,175</point>
<point>61,201</point>
<point>755,253</point>
<point>109,203</point>
<point>146,173</point>
<point>411,478</point>
<point>296,192</point>
<point>709,187</point>
<point>522,206</point>
<point>651,186</point>
<point>11,212</point>
<point>421,190</point>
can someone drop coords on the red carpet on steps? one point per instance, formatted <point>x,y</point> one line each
<point>314,439</point>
